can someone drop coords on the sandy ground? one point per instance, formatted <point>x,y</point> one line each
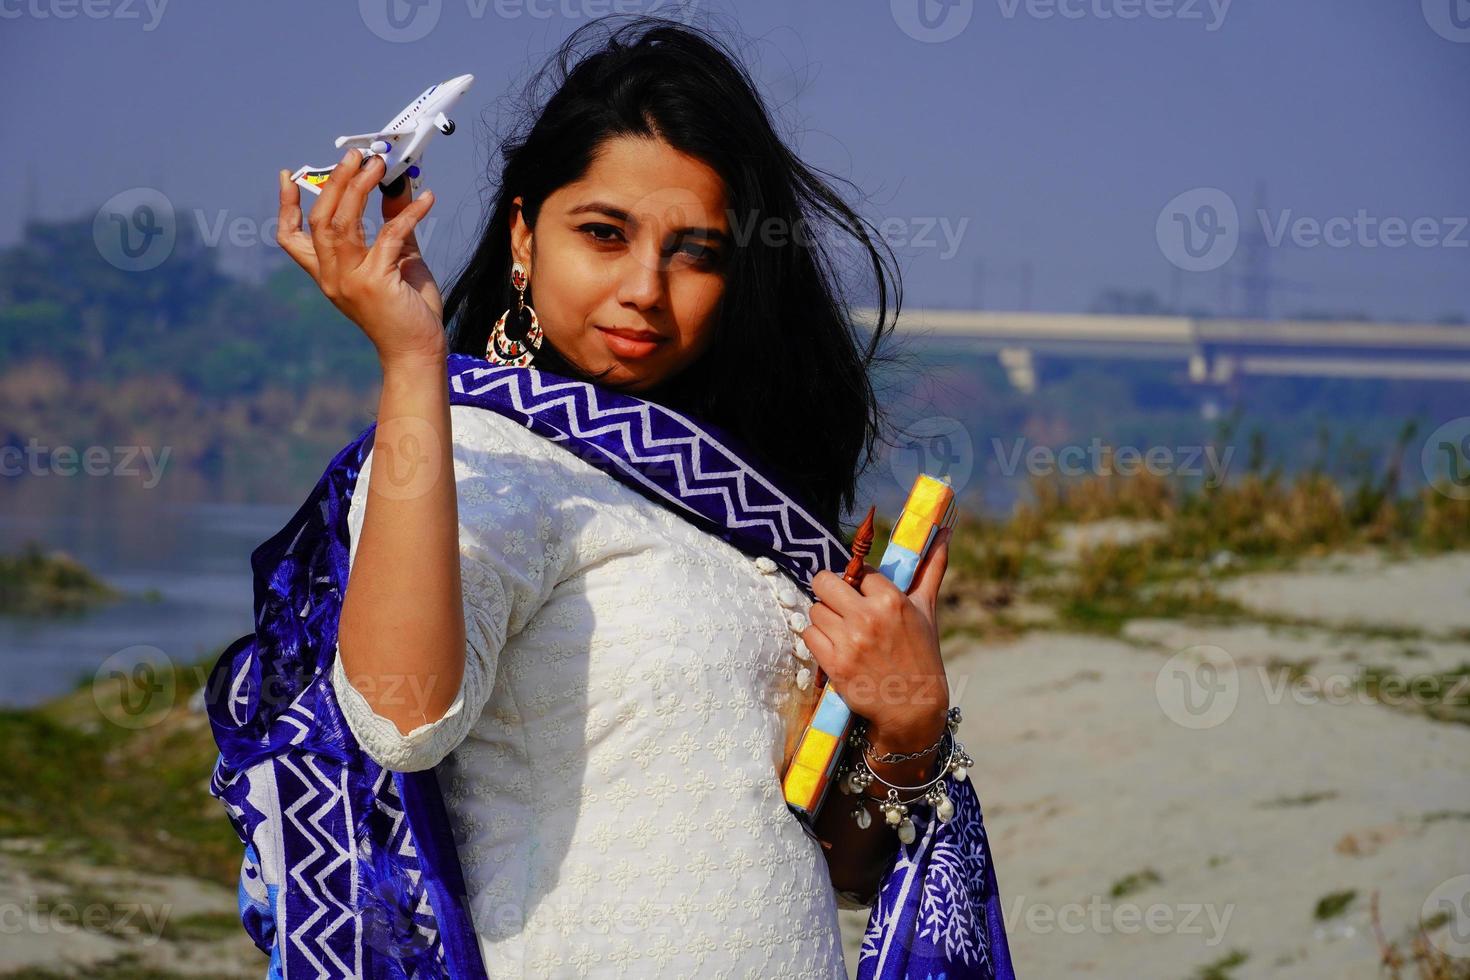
<point>68,917</point>
<point>1431,594</point>
<point>1249,801</point>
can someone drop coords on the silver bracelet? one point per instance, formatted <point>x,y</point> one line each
<point>855,779</point>
<point>953,713</point>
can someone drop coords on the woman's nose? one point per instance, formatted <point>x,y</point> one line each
<point>644,268</point>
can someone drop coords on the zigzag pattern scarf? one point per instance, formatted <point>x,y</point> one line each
<point>351,870</point>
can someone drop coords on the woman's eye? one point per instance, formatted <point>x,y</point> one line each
<point>701,253</point>
<point>603,233</point>
<point>597,228</point>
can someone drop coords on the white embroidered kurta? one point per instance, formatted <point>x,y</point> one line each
<point>612,764</point>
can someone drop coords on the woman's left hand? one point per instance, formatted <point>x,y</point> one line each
<point>880,649</point>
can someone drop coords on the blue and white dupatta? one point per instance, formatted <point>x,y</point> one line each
<point>351,870</point>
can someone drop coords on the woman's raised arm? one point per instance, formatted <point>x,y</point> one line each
<point>402,626</point>
<point>401,638</point>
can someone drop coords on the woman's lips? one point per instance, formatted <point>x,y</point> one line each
<point>630,343</point>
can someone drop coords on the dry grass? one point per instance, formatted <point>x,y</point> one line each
<point>1258,520</point>
<point>1428,961</point>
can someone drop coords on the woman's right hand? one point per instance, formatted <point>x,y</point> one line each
<point>386,289</point>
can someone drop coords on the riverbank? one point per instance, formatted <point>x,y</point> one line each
<point>1145,827</point>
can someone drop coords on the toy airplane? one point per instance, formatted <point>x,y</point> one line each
<point>401,143</point>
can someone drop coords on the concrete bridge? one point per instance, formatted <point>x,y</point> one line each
<point>1216,351</point>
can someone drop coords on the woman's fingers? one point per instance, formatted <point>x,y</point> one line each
<point>346,221</point>
<point>397,241</point>
<point>328,236</point>
<point>831,589</point>
<point>823,650</point>
<point>293,241</point>
<point>347,216</point>
<point>396,204</point>
<point>925,586</point>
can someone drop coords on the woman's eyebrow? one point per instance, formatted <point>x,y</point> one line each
<point>602,207</point>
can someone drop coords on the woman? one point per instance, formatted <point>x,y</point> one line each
<point>606,693</point>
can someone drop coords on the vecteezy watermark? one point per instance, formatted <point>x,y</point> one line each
<point>919,232</point>
<point>938,446</point>
<point>932,21</point>
<point>1450,19</point>
<point>138,229</point>
<point>37,916</point>
<point>1100,459</point>
<point>404,21</point>
<point>936,21</point>
<point>406,458</point>
<point>91,9</point>
<point>1394,690</point>
<point>135,687</point>
<point>1449,906</point>
<point>135,229</point>
<point>1211,13</point>
<point>1445,458</point>
<point>1363,230</point>
<point>1103,916</point>
<point>243,231</point>
<point>139,686</point>
<point>1198,687</point>
<point>1200,230</point>
<point>36,459</point>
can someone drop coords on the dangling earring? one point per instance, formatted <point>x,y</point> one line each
<point>517,334</point>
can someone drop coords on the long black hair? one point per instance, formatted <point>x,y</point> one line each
<point>787,372</point>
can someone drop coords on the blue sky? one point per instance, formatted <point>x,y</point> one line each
<point>993,133</point>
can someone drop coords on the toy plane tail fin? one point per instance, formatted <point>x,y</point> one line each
<point>312,178</point>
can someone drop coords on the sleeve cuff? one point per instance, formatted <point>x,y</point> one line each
<point>421,748</point>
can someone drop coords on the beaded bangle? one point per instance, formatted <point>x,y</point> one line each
<point>855,779</point>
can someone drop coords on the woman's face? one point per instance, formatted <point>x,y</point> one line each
<point>637,246</point>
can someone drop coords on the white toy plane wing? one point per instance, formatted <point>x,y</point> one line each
<point>363,141</point>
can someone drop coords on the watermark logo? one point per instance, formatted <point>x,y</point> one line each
<point>400,21</point>
<point>1199,230</point>
<point>1450,19</point>
<point>1211,13</point>
<point>1445,458</point>
<point>932,21</point>
<point>404,21</point>
<point>1393,690</point>
<point>143,922</point>
<point>135,229</point>
<point>91,9</point>
<point>651,221</point>
<point>135,687</point>
<point>1104,917</point>
<point>244,231</point>
<point>1363,230</point>
<point>1100,459</point>
<point>38,459</point>
<point>1198,687</point>
<point>938,446</point>
<point>1450,903</point>
<point>405,458</point>
<point>138,229</point>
